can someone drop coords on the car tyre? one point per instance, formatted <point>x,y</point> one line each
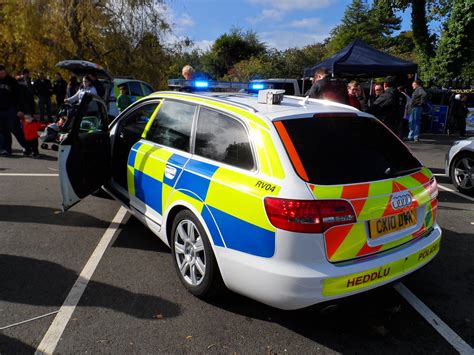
<point>461,172</point>
<point>193,257</point>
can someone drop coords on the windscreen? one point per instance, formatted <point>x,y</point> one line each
<point>344,149</point>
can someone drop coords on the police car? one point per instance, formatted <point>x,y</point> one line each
<point>286,200</point>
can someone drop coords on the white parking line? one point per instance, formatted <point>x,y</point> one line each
<point>455,192</point>
<point>52,336</point>
<point>451,190</point>
<point>436,322</point>
<point>26,174</point>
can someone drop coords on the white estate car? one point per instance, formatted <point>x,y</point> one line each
<point>460,165</point>
<point>291,202</point>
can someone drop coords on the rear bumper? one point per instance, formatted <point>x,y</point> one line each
<point>289,285</point>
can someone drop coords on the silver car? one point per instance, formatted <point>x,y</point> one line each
<point>460,165</point>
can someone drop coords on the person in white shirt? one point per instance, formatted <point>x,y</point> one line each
<point>85,88</point>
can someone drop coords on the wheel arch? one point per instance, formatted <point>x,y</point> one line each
<point>462,152</point>
<point>179,206</point>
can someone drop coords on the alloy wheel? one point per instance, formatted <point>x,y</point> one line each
<point>464,173</point>
<point>189,252</point>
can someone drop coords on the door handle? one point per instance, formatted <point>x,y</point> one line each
<point>170,171</point>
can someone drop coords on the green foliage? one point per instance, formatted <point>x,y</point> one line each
<point>373,24</point>
<point>126,37</point>
<point>122,35</point>
<point>455,53</point>
<point>231,48</point>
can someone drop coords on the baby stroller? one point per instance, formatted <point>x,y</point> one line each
<point>52,132</point>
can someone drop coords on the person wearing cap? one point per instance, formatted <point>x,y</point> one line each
<point>123,100</point>
<point>389,106</point>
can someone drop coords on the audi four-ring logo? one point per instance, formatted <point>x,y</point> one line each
<point>401,199</point>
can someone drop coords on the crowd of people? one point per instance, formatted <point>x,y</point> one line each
<point>26,105</point>
<point>388,102</point>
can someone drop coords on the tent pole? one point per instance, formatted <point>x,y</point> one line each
<point>416,76</point>
<point>370,90</point>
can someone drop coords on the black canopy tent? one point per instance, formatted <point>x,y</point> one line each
<point>359,58</point>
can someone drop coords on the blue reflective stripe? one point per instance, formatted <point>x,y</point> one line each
<point>197,184</point>
<point>133,153</point>
<point>243,236</point>
<point>201,168</point>
<point>148,190</point>
<point>211,225</point>
<point>177,160</point>
<point>172,181</point>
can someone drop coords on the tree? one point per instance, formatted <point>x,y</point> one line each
<point>231,48</point>
<point>422,11</point>
<point>122,35</point>
<point>373,24</point>
<point>455,53</point>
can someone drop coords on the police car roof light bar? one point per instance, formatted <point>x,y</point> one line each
<point>206,84</point>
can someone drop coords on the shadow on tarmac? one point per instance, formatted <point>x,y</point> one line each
<point>38,282</point>
<point>46,215</point>
<point>137,236</point>
<point>13,346</point>
<point>366,323</point>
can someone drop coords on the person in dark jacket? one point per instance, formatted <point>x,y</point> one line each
<point>44,90</point>
<point>326,88</point>
<point>99,87</point>
<point>59,89</point>
<point>418,99</point>
<point>72,86</point>
<point>389,106</point>
<point>457,114</point>
<point>29,107</point>
<point>11,106</point>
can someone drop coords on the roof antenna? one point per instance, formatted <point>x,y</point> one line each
<point>304,101</point>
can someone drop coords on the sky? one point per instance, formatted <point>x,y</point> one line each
<point>280,24</point>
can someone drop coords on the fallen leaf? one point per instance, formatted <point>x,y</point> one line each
<point>211,346</point>
<point>158,316</point>
<point>189,337</point>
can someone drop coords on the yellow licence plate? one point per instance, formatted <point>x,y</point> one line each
<point>390,224</point>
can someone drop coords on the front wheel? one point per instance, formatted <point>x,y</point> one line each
<point>193,256</point>
<point>462,172</point>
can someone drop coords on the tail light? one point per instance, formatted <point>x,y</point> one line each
<point>433,188</point>
<point>308,216</point>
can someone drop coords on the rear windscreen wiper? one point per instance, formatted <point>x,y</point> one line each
<point>393,172</point>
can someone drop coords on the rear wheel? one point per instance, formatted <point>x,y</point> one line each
<point>462,172</point>
<point>193,256</point>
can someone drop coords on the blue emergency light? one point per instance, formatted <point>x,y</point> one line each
<point>201,84</point>
<point>257,86</point>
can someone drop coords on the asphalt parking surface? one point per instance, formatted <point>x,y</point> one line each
<point>135,302</point>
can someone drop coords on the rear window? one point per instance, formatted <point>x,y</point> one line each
<point>344,150</point>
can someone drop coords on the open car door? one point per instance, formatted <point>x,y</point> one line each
<point>84,154</point>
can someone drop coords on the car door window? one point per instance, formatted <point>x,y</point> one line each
<point>135,89</point>
<point>129,132</point>
<point>133,125</point>
<point>95,119</point>
<point>147,90</point>
<point>224,139</point>
<point>172,125</point>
